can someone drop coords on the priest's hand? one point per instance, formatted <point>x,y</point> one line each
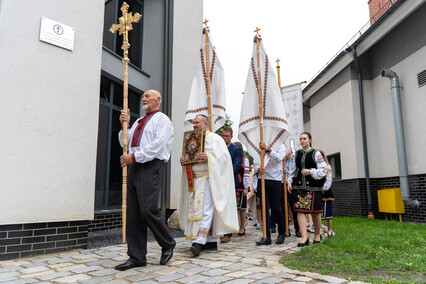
<point>263,146</point>
<point>126,159</point>
<point>261,170</point>
<point>181,160</point>
<point>125,116</point>
<point>202,157</point>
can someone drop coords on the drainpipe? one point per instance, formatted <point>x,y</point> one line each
<point>400,141</point>
<point>364,135</point>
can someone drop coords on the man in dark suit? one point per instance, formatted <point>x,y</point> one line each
<point>237,158</point>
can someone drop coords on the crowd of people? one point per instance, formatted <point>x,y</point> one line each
<point>221,190</point>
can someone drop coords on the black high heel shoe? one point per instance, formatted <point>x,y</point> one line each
<point>242,234</point>
<point>303,244</point>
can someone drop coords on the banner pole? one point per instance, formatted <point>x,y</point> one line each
<point>287,233</point>
<point>209,98</point>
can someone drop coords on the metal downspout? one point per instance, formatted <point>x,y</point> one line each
<point>364,135</point>
<point>400,138</point>
<point>166,102</point>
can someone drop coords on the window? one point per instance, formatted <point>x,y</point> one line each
<point>108,170</point>
<point>336,167</point>
<point>114,41</point>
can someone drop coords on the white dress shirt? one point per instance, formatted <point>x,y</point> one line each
<point>274,168</point>
<point>156,141</point>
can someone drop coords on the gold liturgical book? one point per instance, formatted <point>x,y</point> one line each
<point>193,143</point>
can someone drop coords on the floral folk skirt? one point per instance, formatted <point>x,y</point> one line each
<point>308,201</point>
<point>241,199</point>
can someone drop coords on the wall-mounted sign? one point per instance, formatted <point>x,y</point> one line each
<point>56,33</point>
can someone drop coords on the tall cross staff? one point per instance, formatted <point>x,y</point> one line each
<point>287,233</point>
<point>124,26</point>
<point>209,97</point>
<point>262,153</point>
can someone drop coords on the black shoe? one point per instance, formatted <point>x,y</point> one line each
<point>210,246</point>
<point>316,242</point>
<point>242,234</point>
<point>298,234</point>
<point>303,244</point>
<point>264,242</point>
<point>129,264</point>
<point>280,239</point>
<point>166,255</point>
<point>273,230</point>
<point>196,249</point>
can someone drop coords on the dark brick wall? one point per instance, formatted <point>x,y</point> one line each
<point>351,197</point>
<point>106,221</point>
<point>25,240</point>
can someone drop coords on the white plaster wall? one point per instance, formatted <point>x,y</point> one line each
<point>49,111</point>
<point>380,121</point>
<point>332,128</point>
<point>187,28</point>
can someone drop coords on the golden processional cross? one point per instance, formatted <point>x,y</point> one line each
<point>124,26</point>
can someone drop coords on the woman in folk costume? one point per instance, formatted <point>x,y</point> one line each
<point>327,197</point>
<point>306,177</point>
<point>242,190</point>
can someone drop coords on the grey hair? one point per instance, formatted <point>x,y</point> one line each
<point>204,118</point>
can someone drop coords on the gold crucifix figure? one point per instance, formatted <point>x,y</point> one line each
<point>124,26</point>
<point>278,62</point>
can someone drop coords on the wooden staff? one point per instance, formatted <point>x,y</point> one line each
<point>209,98</point>
<point>124,26</point>
<point>262,153</point>
<point>287,233</point>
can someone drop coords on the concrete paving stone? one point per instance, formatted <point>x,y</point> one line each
<point>147,282</point>
<point>239,281</point>
<point>271,280</point>
<point>169,277</point>
<point>10,269</point>
<point>142,277</point>
<point>54,275</point>
<point>174,262</point>
<point>126,273</point>
<point>194,270</point>
<point>237,266</point>
<point>97,280</point>
<point>187,265</point>
<point>8,276</point>
<point>103,272</point>
<point>34,264</point>
<point>73,278</point>
<point>38,274</point>
<point>11,263</point>
<point>201,261</point>
<point>150,268</point>
<point>214,272</point>
<point>255,269</point>
<point>295,282</point>
<point>286,275</point>
<point>231,258</point>
<point>331,279</point>
<point>258,276</point>
<point>168,270</point>
<point>217,279</point>
<point>356,282</point>
<point>218,264</point>
<point>255,261</point>
<point>311,274</point>
<point>23,281</point>
<point>87,269</point>
<point>192,279</point>
<point>238,274</point>
<point>302,279</point>
<point>117,281</point>
<point>34,269</point>
<point>71,267</point>
<point>59,265</point>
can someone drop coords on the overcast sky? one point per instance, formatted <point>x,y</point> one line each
<point>303,34</point>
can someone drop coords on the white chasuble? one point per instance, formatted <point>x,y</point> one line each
<point>219,175</point>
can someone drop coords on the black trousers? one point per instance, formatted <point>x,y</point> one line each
<point>273,193</point>
<point>143,193</point>
<point>290,200</point>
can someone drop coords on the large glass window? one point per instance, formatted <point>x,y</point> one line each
<point>108,169</point>
<point>113,41</point>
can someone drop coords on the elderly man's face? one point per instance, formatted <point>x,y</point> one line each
<point>150,101</point>
<point>198,123</point>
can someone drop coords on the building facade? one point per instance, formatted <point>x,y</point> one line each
<point>351,90</point>
<point>60,177</point>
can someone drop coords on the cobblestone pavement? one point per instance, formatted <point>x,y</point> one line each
<point>239,261</point>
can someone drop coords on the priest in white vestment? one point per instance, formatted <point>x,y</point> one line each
<point>210,210</point>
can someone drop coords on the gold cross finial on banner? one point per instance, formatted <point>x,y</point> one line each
<point>205,22</point>
<point>278,62</point>
<point>124,26</point>
<point>257,30</point>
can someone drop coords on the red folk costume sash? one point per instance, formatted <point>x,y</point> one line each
<point>137,136</point>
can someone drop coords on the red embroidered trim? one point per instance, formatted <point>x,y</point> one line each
<point>190,177</point>
<point>133,158</point>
